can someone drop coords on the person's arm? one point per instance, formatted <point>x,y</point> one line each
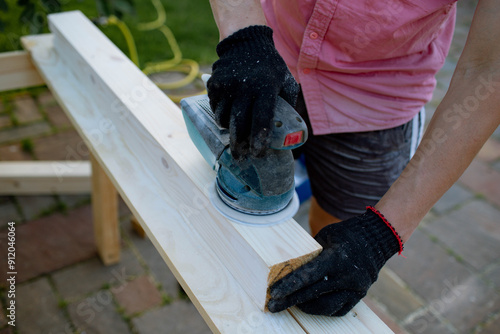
<point>355,250</point>
<point>463,121</point>
<point>233,15</point>
<point>248,77</point>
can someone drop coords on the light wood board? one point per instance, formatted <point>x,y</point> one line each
<point>105,215</point>
<point>17,71</point>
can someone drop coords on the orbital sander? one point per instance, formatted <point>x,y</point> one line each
<point>251,190</point>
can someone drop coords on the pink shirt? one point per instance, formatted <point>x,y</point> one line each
<point>363,64</point>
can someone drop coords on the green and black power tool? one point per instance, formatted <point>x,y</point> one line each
<point>250,190</point>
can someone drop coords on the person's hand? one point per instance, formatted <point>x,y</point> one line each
<point>353,253</point>
<point>245,83</point>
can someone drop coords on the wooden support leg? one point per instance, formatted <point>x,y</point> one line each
<point>105,215</point>
<point>137,228</point>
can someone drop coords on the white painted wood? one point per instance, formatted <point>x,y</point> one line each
<point>43,177</point>
<point>152,128</point>
<point>17,71</point>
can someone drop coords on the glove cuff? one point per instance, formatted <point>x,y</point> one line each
<point>256,38</point>
<point>374,228</point>
<point>389,225</point>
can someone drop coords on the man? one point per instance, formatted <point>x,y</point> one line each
<point>366,68</point>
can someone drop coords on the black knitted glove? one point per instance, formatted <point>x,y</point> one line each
<point>244,85</point>
<point>353,253</point>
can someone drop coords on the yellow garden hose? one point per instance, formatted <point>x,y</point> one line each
<point>113,20</point>
<point>175,64</point>
<point>160,20</point>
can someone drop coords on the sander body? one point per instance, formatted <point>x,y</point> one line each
<point>252,190</point>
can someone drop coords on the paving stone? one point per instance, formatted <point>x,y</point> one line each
<point>123,209</point>
<point>7,330</point>
<point>490,150</point>
<point>14,152</point>
<point>3,319</point>
<point>8,213</point>
<point>37,309</point>
<point>65,145</point>
<point>493,275</point>
<point>496,133</point>
<point>427,323</point>
<point>155,263</point>
<point>5,121</point>
<point>470,305</point>
<point>483,179</point>
<point>46,98</point>
<point>32,206</point>
<point>180,317</point>
<point>496,166</point>
<point>429,271</point>
<point>51,243</point>
<point>56,116</point>
<point>492,327</point>
<point>429,217</point>
<point>93,275</point>
<point>457,43</point>
<point>383,315</point>
<point>438,94</point>
<point>26,131</point>
<point>97,315</point>
<point>72,201</point>
<point>453,197</point>
<point>390,291</point>
<point>25,109</point>
<point>138,295</point>
<point>473,232</point>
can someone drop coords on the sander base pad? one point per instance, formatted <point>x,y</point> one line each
<point>248,219</point>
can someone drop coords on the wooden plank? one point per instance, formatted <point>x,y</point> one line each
<point>17,71</point>
<point>43,177</point>
<point>217,295</point>
<point>152,128</point>
<point>360,320</point>
<point>105,215</point>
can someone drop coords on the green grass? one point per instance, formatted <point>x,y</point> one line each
<point>27,145</point>
<point>62,304</point>
<point>57,207</point>
<point>191,22</point>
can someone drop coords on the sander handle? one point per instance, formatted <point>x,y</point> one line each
<point>288,128</point>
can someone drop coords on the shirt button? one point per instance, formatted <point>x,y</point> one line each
<point>313,35</point>
<point>306,70</point>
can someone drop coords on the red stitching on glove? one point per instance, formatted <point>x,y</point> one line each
<point>378,213</point>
